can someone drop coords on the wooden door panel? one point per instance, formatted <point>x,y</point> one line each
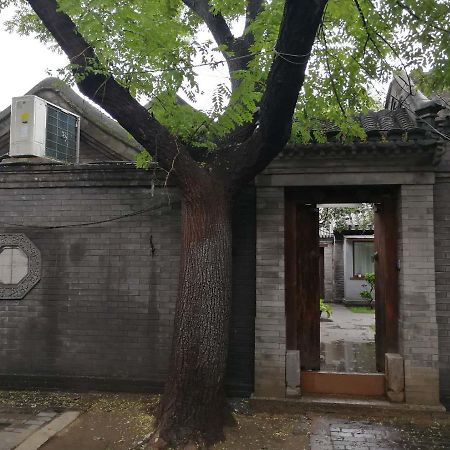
<point>386,279</point>
<point>290,261</point>
<point>308,286</point>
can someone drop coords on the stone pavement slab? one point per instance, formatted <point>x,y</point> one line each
<point>16,424</point>
<point>42,435</point>
<point>334,433</point>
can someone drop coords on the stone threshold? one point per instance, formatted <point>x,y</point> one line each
<point>354,403</point>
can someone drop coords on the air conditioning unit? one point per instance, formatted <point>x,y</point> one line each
<point>39,128</point>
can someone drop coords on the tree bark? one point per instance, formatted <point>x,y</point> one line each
<point>193,404</point>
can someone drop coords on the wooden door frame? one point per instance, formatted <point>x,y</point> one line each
<point>383,196</point>
<point>308,285</point>
<point>305,282</point>
<point>386,281</point>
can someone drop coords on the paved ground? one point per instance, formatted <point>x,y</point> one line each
<point>347,342</point>
<point>334,433</point>
<point>16,424</point>
<point>118,421</point>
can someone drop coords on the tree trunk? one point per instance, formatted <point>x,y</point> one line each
<point>193,404</point>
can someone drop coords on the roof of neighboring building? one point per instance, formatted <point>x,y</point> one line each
<point>102,138</point>
<point>411,125</point>
<point>398,120</point>
<point>403,93</point>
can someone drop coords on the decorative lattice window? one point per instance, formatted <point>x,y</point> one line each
<point>20,266</point>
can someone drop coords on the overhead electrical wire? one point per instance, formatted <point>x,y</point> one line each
<point>85,224</point>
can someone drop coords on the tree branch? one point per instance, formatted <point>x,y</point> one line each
<point>252,10</point>
<point>215,22</point>
<point>223,37</point>
<point>104,90</point>
<point>410,11</point>
<point>299,26</point>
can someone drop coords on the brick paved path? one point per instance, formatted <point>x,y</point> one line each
<point>16,425</point>
<point>332,433</point>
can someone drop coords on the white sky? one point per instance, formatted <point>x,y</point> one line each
<point>25,63</point>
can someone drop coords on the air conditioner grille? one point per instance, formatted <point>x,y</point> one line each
<point>61,140</point>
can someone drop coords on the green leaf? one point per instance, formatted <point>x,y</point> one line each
<point>143,160</point>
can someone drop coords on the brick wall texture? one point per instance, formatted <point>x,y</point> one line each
<point>328,272</point>
<point>270,323</point>
<point>338,269</point>
<point>418,327</point>
<point>104,305</point>
<point>442,261</point>
<point>103,309</point>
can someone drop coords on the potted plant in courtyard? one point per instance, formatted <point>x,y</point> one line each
<point>368,293</point>
<point>325,308</point>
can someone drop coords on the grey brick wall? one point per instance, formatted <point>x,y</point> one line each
<point>417,323</point>
<point>105,302</point>
<point>328,271</point>
<point>241,358</point>
<point>270,333</point>
<point>442,260</point>
<point>338,269</point>
<point>102,313</point>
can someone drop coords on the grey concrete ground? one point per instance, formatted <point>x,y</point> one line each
<point>17,424</point>
<point>348,341</point>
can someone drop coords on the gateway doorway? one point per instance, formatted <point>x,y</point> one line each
<point>304,287</point>
<point>347,305</point>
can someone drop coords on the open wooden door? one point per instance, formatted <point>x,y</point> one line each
<point>386,279</point>
<point>308,286</point>
<point>302,281</point>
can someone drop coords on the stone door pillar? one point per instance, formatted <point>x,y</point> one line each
<point>417,320</point>
<point>270,323</point>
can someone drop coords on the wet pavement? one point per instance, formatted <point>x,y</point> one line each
<point>338,434</point>
<point>334,433</point>
<point>347,342</point>
<point>17,424</point>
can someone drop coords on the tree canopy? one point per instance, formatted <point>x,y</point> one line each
<point>155,47</point>
<point>345,217</point>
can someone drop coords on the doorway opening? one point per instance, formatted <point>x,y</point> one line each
<point>345,356</point>
<point>347,294</point>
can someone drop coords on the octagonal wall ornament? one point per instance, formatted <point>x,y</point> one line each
<point>21,242</point>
